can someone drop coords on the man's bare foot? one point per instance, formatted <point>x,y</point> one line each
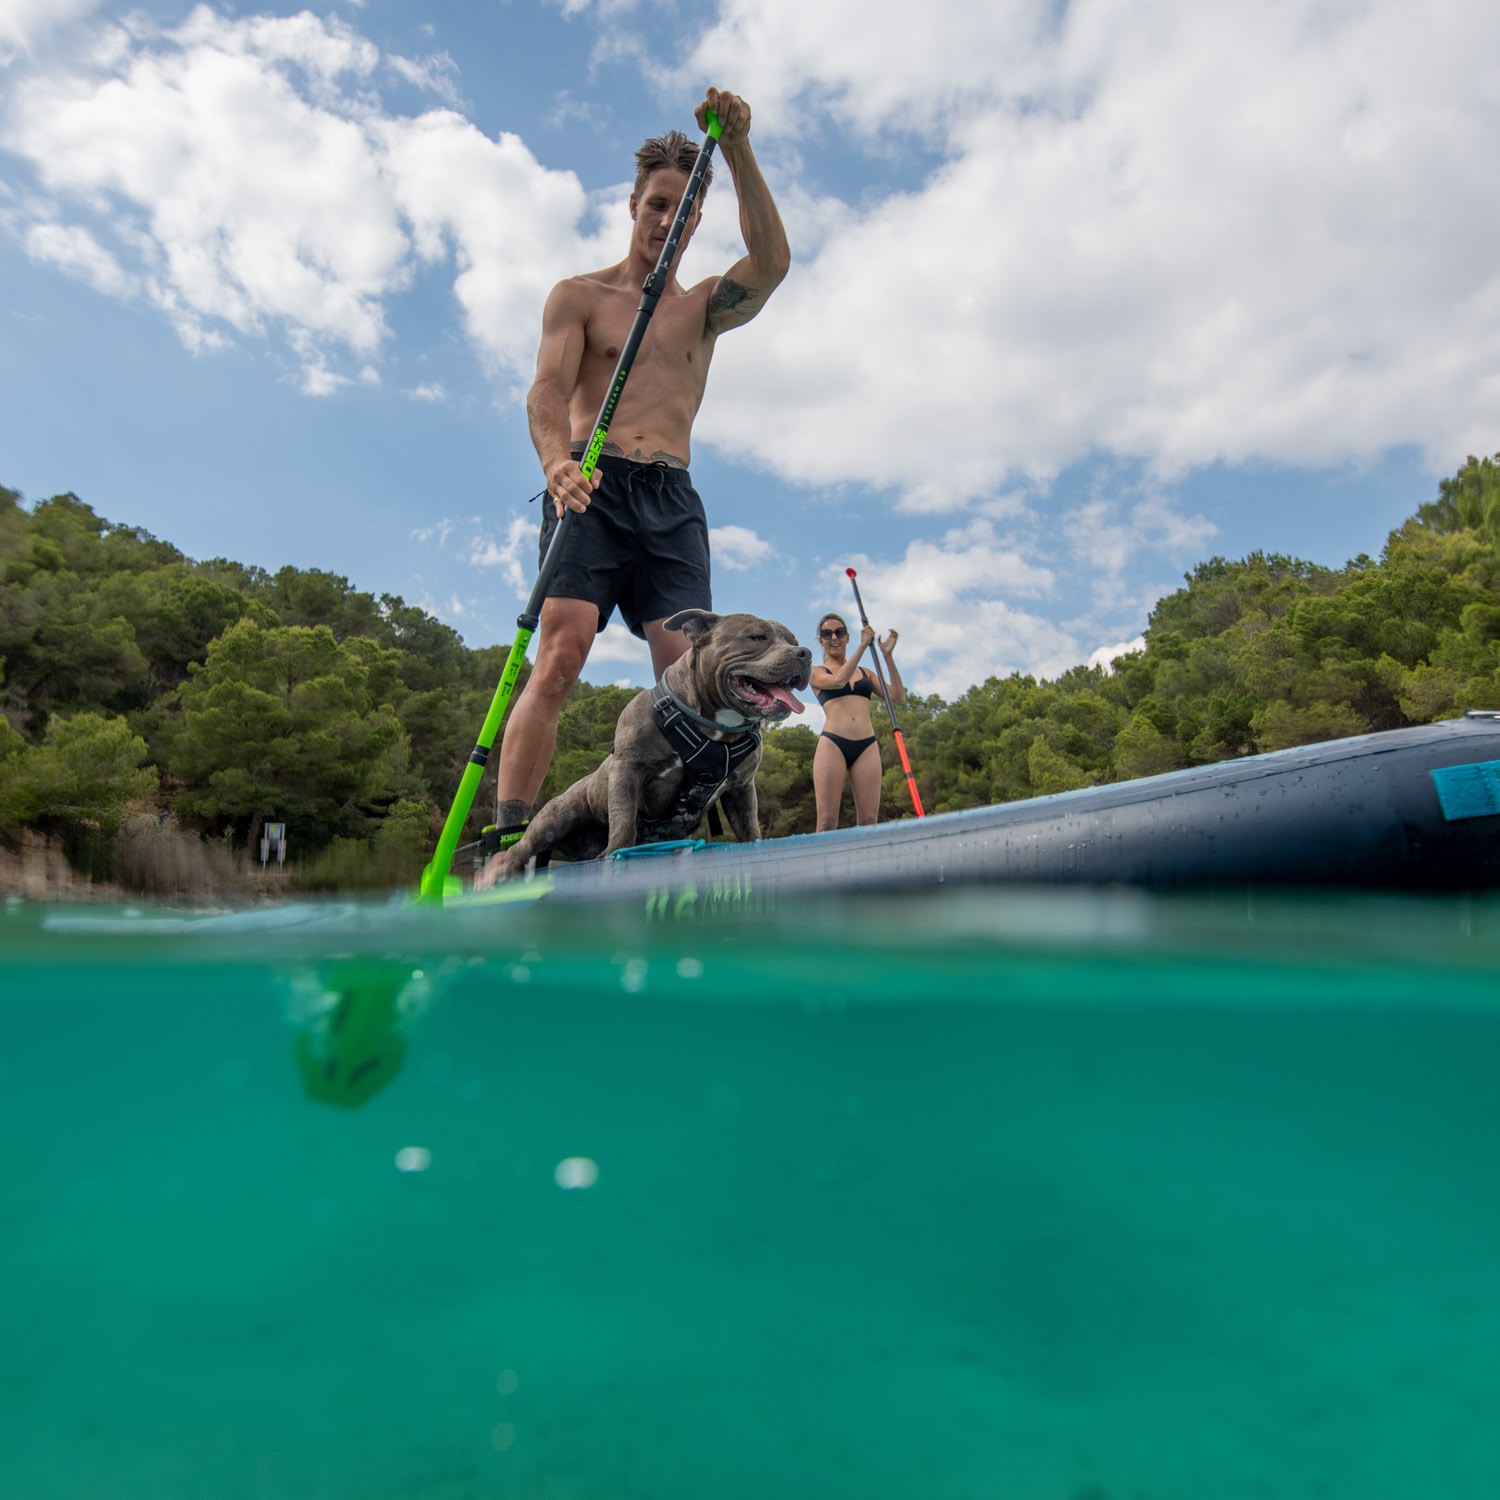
<point>489,873</point>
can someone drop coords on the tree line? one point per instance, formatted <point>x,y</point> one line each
<point>139,684</point>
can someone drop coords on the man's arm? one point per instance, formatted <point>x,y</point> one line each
<point>743,289</point>
<point>558,358</point>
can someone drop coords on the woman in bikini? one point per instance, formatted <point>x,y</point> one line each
<point>847,746</point>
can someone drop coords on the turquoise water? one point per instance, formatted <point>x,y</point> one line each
<point>1041,1197</point>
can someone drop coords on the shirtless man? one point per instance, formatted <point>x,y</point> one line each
<point>640,540</point>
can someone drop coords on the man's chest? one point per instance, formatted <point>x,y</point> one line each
<point>677,333</point>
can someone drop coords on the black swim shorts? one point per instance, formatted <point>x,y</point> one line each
<point>641,545</point>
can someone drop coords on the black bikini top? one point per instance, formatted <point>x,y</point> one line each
<point>856,687</point>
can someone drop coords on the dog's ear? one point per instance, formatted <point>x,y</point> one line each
<point>693,623</point>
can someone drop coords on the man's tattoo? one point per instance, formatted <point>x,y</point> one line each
<point>639,456</point>
<point>728,295</point>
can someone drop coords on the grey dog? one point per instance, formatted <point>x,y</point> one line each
<point>691,741</point>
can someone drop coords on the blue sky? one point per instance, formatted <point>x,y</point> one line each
<point>1082,294</point>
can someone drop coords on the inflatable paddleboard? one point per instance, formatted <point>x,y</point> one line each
<point>1407,809</point>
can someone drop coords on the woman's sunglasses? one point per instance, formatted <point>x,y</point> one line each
<point>832,635</point>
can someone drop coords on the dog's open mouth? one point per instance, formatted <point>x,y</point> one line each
<point>772,700</point>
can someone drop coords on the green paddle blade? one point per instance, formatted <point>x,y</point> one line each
<point>354,1047</point>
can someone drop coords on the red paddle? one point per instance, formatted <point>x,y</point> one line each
<point>911,781</point>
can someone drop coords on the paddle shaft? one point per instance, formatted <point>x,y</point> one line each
<point>911,780</point>
<point>436,873</point>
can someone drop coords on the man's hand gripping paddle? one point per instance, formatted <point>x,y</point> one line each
<point>911,781</point>
<point>435,878</point>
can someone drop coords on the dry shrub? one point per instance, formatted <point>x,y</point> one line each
<point>157,858</point>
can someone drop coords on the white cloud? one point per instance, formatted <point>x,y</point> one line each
<point>513,552</point>
<point>436,74</point>
<point>509,550</point>
<point>1105,655</point>
<point>615,644</point>
<point>73,249</point>
<point>24,24</point>
<point>738,548</point>
<point>826,66</point>
<point>1158,229</point>
<point>1154,229</point>
<point>509,222</point>
<point>1109,537</point>
<point>966,559</point>
<point>574,8</point>
<point>315,378</point>
<point>292,229</point>
<point>439,531</point>
<point>318,380</point>
<point>243,173</point>
<point>940,598</point>
<point>431,391</point>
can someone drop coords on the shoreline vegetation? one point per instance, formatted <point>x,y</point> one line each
<point>156,712</point>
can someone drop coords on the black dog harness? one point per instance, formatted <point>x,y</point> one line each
<point>708,757</point>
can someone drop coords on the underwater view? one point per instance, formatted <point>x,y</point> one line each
<point>1021,1195</point>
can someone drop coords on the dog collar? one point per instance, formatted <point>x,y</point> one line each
<point>708,756</point>
<point>661,695</point>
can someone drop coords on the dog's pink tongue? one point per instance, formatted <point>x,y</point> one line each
<point>784,695</point>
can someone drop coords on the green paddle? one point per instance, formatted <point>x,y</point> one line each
<point>355,1047</point>
<point>436,881</point>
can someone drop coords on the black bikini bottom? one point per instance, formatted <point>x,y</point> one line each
<point>851,750</point>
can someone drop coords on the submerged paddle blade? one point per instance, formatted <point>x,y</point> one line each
<point>353,1047</point>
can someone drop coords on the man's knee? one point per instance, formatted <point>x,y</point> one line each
<point>558,665</point>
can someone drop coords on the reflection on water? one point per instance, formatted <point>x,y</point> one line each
<point>1046,1197</point>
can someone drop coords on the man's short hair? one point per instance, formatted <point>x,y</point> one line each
<point>673,149</point>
